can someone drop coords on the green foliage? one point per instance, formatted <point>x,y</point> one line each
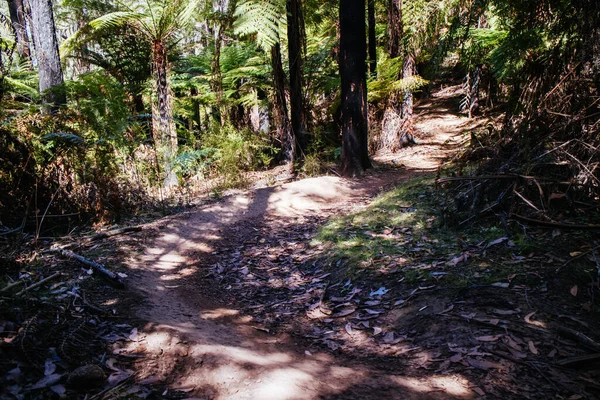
<point>387,81</point>
<point>266,19</point>
<point>238,151</point>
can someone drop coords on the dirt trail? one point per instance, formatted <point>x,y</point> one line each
<point>196,334</point>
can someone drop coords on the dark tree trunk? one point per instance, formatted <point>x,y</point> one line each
<point>18,21</point>
<point>372,38</point>
<point>196,104</point>
<point>295,33</point>
<point>353,74</point>
<point>165,136</point>
<point>284,129</point>
<point>395,28</point>
<point>46,52</point>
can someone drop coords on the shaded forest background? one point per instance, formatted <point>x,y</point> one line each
<point>152,101</point>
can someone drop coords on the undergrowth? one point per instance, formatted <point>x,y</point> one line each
<point>404,236</point>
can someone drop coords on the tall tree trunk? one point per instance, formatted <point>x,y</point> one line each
<point>372,38</point>
<point>391,138</point>
<point>165,136</point>
<point>18,21</point>
<point>409,70</point>
<point>217,77</point>
<point>46,52</point>
<point>284,129</point>
<point>295,33</point>
<point>395,28</point>
<point>353,74</point>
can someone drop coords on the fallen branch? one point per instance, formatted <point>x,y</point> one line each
<point>554,224</point>
<point>101,269</point>
<point>578,336</point>
<point>11,285</point>
<point>498,177</point>
<point>38,284</point>
<point>571,361</point>
<point>103,235</point>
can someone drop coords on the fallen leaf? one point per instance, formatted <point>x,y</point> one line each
<point>457,260</point>
<point>574,291</point>
<point>49,367</point>
<point>497,241</point>
<point>505,312</point>
<point>450,308</point>
<point>379,292</point>
<point>532,348</point>
<point>483,364</point>
<point>530,322</point>
<point>575,253</point>
<point>343,313</point>
<point>117,377</point>
<point>377,331</point>
<point>491,338</point>
<point>478,391</point>
<point>348,328</point>
<point>59,390</point>
<point>390,339</point>
<point>504,285</point>
<point>456,358</point>
<point>133,336</point>
<point>46,381</point>
<point>494,321</point>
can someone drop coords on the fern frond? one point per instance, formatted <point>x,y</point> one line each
<point>264,18</point>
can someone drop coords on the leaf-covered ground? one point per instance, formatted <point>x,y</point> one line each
<point>321,288</point>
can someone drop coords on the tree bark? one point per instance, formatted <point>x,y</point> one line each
<point>395,28</point>
<point>18,21</point>
<point>394,125</point>
<point>46,52</point>
<point>166,137</point>
<point>409,69</point>
<point>295,30</point>
<point>284,129</point>
<point>353,71</point>
<point>372,38</point>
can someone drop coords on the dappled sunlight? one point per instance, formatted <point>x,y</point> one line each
<point>219,313</point>
<point>454,385</point>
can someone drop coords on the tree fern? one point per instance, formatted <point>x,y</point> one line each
<point>264,18</point>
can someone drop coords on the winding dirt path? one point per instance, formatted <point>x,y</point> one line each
<point>199,341</point>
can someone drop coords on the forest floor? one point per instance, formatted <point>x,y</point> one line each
<point>325,288</point>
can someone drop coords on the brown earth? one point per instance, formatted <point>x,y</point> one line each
<point>232,297</point>
<point>203,329</point>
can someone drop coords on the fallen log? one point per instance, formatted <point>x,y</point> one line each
<point>110,276</point>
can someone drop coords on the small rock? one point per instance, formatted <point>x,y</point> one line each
<point>86,377</point>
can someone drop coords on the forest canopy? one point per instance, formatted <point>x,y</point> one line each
<point>108,106</point>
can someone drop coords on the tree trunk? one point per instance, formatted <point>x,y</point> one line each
<point>409,69</point>
<point>395,28</point>
<point>18,21</point>
<point>284,129</point>
<point>166,137</point>
<point>392,122</point>
<point>295,30</point>
<point>353,74</point>
<point>46,52</point>
<point>217,77</point>
<point>372,38</point>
